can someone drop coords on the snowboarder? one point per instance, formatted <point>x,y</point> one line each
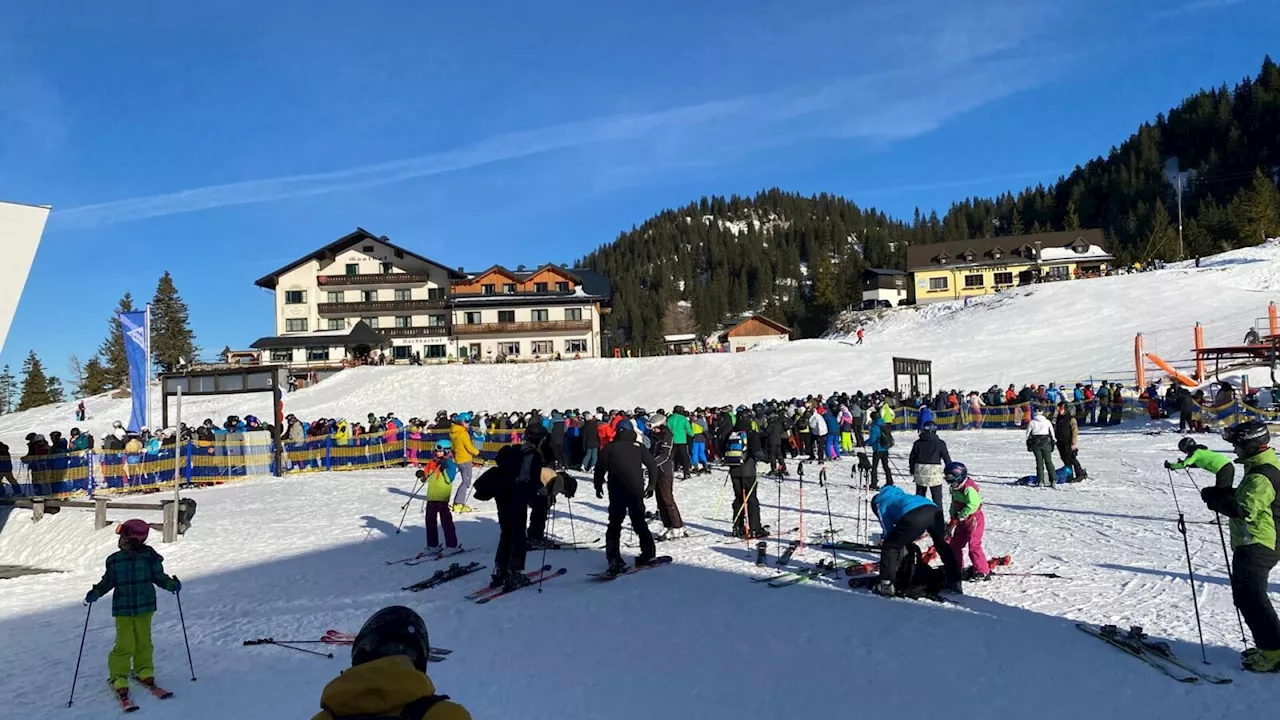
<point>925,463</point>
<point>1040,443</point>
<point>742,452</point>
<point>1252,508</point>
<point>1199,456</point>
<point>663,449</point>
<point>439,473</point>
<point>1067,432</point>
<point>621,464</point>
<point>388,674</point>
<point>464,455</point>
<point>131,576</point>
<point>968,522</point>
<point>904,518</point>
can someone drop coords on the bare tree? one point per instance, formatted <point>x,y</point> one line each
<point>75,371</point>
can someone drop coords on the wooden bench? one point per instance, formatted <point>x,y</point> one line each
<point>175,516</point>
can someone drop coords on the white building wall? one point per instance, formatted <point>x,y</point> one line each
<point>893,295</point>
<point>742,344</point>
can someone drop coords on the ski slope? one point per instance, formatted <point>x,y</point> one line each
<point>291,558</point>
<point>1063,332</point>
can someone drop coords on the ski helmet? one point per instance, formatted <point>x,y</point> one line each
<point>1187,445</point>
<point>1249,438</point>
<point>394,630</point>
<point>445,445</point>
<point>657,420</point>
<point>135,529</point>
<point>955,473</point>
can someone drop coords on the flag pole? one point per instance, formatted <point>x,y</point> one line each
<point>147,414</point>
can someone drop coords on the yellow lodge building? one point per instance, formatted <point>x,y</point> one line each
<point>982,266</point>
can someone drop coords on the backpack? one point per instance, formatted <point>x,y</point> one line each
<point>886,437</point>
<point>735,448</point>
<point>916,578</point>
<point>416,710</point>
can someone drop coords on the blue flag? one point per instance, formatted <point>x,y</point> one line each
<point>137,348</point>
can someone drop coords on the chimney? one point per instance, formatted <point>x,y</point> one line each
<point>519,268</point>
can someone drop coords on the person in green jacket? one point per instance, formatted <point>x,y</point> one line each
<point>133,573</point>
<point>1199,456</point>
<point>681,433</point>
<point>1253,508</point>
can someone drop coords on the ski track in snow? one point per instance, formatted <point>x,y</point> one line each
<point>292,558</point>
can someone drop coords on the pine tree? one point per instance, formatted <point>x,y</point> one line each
<point>172,340</point>
<point>115,363</point>
<point>35,384</point>
<point>95,378</point>
<point>56,392</point>
<point>1072,221</point>
<point>8,390</point>
<point>1259,216</point>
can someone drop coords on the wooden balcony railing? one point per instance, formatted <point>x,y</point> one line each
<point>372,279</point>
<point>535,326</point>
<point>381,307</point>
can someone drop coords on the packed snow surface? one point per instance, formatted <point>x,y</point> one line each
<point>291,558</point>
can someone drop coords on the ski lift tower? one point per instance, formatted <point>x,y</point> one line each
<point>20,229</point>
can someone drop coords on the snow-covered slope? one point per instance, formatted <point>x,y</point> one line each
<point>1057,332</point>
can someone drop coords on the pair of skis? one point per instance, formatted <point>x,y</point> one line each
<point>126,703</point>
<point>488,593</point>
<point>607,576</point>
<point>428,556</point>
<point>453,572</point>
<point>1155,653</point>
<point>803,575</point>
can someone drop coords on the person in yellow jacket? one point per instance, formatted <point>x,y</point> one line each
<point>388,675</point>
<point>464,453</point>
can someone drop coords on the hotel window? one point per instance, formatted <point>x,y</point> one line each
<point>506,316</point>
<point>404,294</point>
<point>334,297</point>
<point>295,325</point>
<point>433,351</point>
<point>575,346</point>
<point>539,287</point>
<point>281,356</point>
<point>369,296</point>
<point>353,269</point>
<point>295,297</point>
<point>509,289</point>
<point>387,268</point>
<point>435,293</point>
<point>471,318</point>
<point>562,287</point>
<point>317,354</point>
<point>336,324</point>
<point>401,352</point>
<point>435,321</point>
<point>509,348</point>
<point>371,321</point>
<point>973,281</point>
<point>1004,278</point>
<point>543,347</point>
<point>541,315</point>
<point>938,283</point>
<point>488,288</point>
<point>573,313</point>
<point>404,321</point>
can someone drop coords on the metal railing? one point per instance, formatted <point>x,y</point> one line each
<point>533,326</point>
<point>380,307</point>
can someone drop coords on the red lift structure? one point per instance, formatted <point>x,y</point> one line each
<point>1223,359</point>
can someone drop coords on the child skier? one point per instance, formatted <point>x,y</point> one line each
<point>968,522</point>
<point>439,473</point>
<point>132,573</point>
<point>1199,456</point>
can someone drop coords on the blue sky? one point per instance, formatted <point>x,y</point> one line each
<point>222,140</point>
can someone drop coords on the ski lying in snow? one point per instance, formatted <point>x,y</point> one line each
<point>656,562</point>
<point>441,577</point>
<point>866,568</point>
<point>122,697</point>
<point>153,688</point>
<point>823,567</point>
<point>785,557</point>
<point>1162,649</point>
<point>762,550</point>
<point>849,545</point>
<point>489,590</point>
<point>337,637</point>
<point>867,582</point>
<point>408,559</point>
<point>1112,636</point>
<point>436,555</point>
<point>541,578</point>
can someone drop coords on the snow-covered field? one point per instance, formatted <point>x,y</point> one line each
<point>291,558</point>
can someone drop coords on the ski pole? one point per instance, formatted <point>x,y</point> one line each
<point>715,515</point>
<point>800,472</point>
<point>745,497</point>
<point>778,527</point>
<point>831,532</point>
<point>406,505</point>
<point>281,643</point>
<point>573,534</point>
<point>1186,546</point>
<point>545,545</point>
<point>1226,558</point>
<point>182,619</point>
<point>80,654</point>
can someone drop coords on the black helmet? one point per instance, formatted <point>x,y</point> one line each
<point>1187,445</point>
<point>394,630</point>
<point>1249,438</point>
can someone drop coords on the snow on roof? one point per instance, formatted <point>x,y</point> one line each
<point>683,337</point>
<point>1051,254</point>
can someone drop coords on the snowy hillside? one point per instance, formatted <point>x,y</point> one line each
<point>1057,332</point>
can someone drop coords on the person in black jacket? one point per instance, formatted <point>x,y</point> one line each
<point>514,483</point>
<point>743,476</point>
<point>662,447</point>
<point>926,461</point>
<point>590,442</point>
<point>777,431</point>
<point>621,463</point>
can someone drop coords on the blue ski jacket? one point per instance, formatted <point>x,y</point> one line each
<point>892,503</point>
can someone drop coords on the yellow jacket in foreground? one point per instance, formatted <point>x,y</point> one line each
<point>382,688</point>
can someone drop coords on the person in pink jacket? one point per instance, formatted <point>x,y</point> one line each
<point>967,520</point>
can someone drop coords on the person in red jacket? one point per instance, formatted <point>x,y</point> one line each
<point>606,431</point>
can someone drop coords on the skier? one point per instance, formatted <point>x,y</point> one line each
<point>880,441</point>
<point>904,518</point>
<point>681,431</point>
<point>1040,443</point>
<point>699,446</point>
<point>1067,432</point>
<point>388,674</point>
<point>742,452</point>
<point>925,463</point>
<point>621,464</point>
<point>590,442</point>
<point>833,435</point>
<point>132,573</point>
<point>663,449</point>
<point>512,483</point>
<point>1199,456</point>
<point>439,473</point>
<point>968,522</point>
<point>464,455</point>
<point>861,332</point>
<point>1253,509</point>
<point>774,432</point>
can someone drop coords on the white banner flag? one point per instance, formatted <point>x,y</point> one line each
<point>20,229</point>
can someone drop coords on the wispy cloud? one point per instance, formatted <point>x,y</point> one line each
<point>1197,6</point>
<point>943,69</point>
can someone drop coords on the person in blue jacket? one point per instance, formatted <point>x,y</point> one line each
<point>833,435</point>
<point>879,452</point>
<point>904,518</point>
<point>926,417</point>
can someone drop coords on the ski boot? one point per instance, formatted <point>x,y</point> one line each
<point>515,580</point>
<point>954,588</point>
<point>460,508</point>
<point>616,567</point>
<point>760,534</point>
<point>497,580</point>
<point>644,560</point>
<point>1260,661</point>
<point>971,575</point>
<point>884,588</point>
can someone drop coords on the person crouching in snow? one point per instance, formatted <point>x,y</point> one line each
<point>968,522</point>
<point>133,574</point>
<point>1199,456</point>
<point>439,473</point>
<point>1251,508</point>
<point>904,518</point>
<point>388,674</point>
